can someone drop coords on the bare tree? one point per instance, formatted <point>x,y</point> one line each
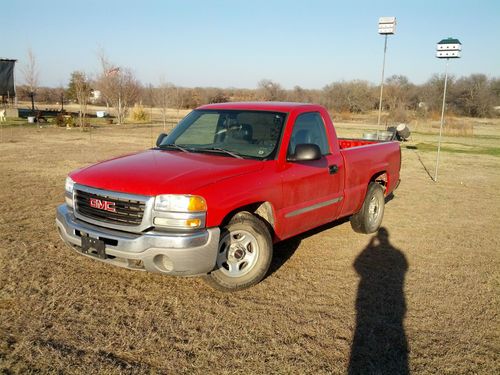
<point>299,95</point>
<point>270,91</point>
<point>475,96</point>
<point>178,98</point>
<point>353,96</point>
<point>431,92</point>
<point>398,92</point>
<point>30,73</point>
<point>162,99</point>
<point>119,87</point>
<point>210,95</point>
<point>495,89</point>
<point>80,89</point>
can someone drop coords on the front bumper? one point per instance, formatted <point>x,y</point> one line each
<point>179,254</point>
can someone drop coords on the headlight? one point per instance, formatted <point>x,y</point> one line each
<point>68,195</point>
<point>180,203</point>
<point>180,211</point>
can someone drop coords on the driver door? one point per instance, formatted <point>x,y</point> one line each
<point>312,190</point>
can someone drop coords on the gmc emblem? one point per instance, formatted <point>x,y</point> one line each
<point>102,205</point>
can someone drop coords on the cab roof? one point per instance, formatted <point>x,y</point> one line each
<point>262,106</point>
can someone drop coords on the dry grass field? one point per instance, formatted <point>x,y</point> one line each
<point>423,298</point>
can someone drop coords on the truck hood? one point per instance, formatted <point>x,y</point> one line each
<point>155,172</point>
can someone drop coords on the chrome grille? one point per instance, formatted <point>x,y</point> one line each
<point>127,211</point>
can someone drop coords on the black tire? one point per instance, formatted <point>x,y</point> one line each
<point>369,218</point>
<point>244,256</point>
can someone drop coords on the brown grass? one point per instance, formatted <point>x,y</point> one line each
<point>458,127</point>
<point>344,116</point>
<point>62,313</point>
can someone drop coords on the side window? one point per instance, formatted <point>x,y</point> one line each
<point>309,128</point>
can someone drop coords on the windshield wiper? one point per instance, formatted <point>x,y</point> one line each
<point>223,150</point>
<point>173,145</point>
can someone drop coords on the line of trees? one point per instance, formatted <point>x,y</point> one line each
<point>475,95</point>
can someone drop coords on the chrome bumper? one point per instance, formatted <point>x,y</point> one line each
<point>174,254</point>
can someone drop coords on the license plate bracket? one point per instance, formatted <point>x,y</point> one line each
<point>93,246</point>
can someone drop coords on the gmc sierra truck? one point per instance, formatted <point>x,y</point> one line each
<point>227,183</point>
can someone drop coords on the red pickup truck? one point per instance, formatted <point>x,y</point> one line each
<point>229,181</point>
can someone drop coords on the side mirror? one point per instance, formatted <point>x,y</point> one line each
<point>306,152</point>
<point>160,139</point>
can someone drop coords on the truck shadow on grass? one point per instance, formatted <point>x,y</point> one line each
<point>379,345</point>
<point>284,250</point>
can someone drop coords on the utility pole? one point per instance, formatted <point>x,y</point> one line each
<point>386,26</point>
<point>446,49</point>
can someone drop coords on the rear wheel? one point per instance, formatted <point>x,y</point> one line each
<point>244,256</point>
<point>369,218</point>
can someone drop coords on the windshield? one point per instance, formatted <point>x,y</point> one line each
<point>243,133</point>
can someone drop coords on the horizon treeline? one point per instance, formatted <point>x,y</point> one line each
<point>476,95</point>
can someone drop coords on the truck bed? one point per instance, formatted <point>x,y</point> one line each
<point>353,142</point>
<point>364,159</point>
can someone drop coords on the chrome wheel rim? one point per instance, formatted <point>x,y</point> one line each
<point>238,253</point>
<point>374,210</point>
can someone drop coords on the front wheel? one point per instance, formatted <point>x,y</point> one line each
<point>244,256</point>
<point>368,219</point>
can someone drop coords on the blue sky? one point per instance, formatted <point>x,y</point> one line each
<point>237,43</point>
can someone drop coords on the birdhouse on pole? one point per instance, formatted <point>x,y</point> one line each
<point>449,49</point>
<point>387,25</point>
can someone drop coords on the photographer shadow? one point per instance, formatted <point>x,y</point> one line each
<point>379,345</point>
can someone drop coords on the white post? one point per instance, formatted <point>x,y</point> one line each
<point>442,119</point>
<point>382,85</point>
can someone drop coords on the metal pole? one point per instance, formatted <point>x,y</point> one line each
<point>442,119</point>
<point>382,84</point>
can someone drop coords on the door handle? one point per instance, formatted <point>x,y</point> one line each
<point>332,169</point>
